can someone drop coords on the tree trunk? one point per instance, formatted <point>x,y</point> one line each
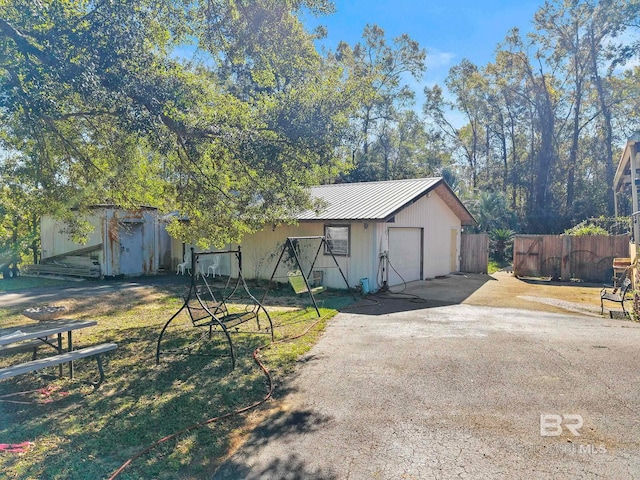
<point>546,154</point>
<point>34,243</point>
<point>474,156</point>
<point>607,128</point>
<point>573,153</point>
<point>514,160</point>
<point>505,155</point>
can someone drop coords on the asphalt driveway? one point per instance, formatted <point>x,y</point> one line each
<point>455,391</point>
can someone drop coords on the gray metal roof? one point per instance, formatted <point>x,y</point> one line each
<point>371,200</point>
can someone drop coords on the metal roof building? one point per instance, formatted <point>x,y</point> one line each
<point>387,233</point>
<point>379,200</point>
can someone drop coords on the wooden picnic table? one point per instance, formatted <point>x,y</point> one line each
<point>41,331</point>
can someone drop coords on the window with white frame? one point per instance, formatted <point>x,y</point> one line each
<point>338,238</point>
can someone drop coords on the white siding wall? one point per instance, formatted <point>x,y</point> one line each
<point>260,252</point>
<point>176,253</point>
<point>226,262</point>
<point>437,219</point>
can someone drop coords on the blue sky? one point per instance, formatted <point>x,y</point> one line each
<point>450,30</point>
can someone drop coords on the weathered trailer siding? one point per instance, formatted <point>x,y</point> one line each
<point>129,240</point>
<point>54,241</point>
<point>133,238</point>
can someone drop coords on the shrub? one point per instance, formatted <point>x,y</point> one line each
<point>584,230</point>
<point>601,226</point>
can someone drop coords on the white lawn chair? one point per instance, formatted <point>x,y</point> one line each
<point>184,266</point>
<point>213,267</point>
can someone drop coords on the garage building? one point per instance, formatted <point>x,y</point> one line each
<point>388,232</point>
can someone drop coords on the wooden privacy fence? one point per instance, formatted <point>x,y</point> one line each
<point>474,253</point>
<point>588,258</point>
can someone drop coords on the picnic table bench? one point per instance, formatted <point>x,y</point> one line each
<point>29,345</point>
<point>34,335</point>
<point>66,357</point>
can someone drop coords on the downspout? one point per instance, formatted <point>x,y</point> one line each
<point>373,269</point>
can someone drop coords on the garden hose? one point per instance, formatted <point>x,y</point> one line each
<point>226,415</point>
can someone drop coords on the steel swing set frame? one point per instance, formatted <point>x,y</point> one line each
<point>289,246</point>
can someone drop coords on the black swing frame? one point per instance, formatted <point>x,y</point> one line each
<point>216,315</point>
<point>288,245</point>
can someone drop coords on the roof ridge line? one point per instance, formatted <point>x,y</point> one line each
<point>378,182</point>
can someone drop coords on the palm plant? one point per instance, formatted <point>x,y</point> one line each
<point>492,211</point>
<point>500,240</point>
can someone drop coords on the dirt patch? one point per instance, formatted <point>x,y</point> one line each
<point>505,290</point>
<point>501,289</point>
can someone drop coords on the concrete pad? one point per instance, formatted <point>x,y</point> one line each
<point>456,391</point>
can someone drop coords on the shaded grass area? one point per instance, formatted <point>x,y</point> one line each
<point>84,433</point>
<point>26,283</point>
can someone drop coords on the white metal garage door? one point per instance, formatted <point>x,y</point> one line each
<point>405,255</point>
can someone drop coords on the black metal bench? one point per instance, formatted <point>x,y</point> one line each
<point>66,357</point>
<point>617,295</point>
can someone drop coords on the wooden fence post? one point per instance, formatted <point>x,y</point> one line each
<point>565,266</point>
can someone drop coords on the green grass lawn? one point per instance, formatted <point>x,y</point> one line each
<point>495,266</point>
<point>79,433</point>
